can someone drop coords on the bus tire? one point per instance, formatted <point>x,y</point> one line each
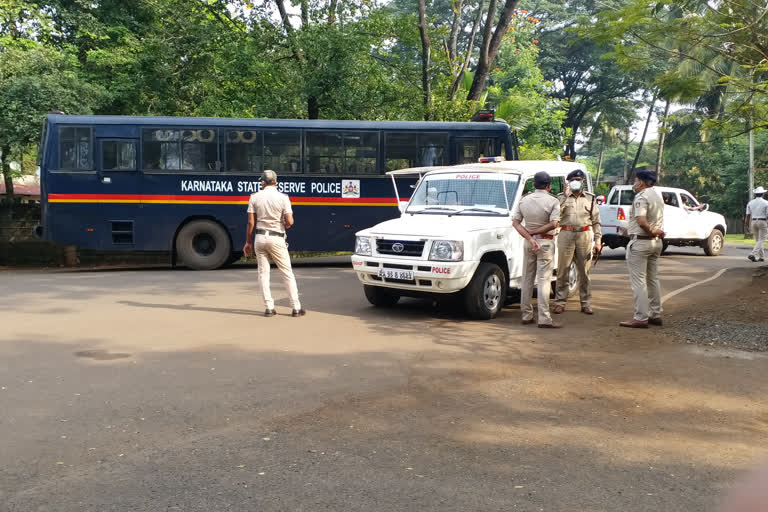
<point>203,245</point>
<point>486,293</point>
<point>380,296</point>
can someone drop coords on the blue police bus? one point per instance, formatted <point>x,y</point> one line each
<point>181,184</point>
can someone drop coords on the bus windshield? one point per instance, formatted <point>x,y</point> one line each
<point>464,193</point>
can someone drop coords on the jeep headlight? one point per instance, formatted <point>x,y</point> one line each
<point>446,250</point>
<point>363,246</point>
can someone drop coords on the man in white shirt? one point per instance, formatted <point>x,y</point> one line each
<point>269,210</point>
<point>757,222</point>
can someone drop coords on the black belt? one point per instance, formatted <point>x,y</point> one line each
<point>271,233</point>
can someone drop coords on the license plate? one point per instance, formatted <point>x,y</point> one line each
<point>391,273</point>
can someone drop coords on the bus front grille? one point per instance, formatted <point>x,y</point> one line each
<point>400,247</point>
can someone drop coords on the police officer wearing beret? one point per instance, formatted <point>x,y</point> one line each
<point>646,221</point>
<point>579,227</point>
<point>536,217</point>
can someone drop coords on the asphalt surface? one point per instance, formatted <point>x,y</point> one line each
<point>157,389</point>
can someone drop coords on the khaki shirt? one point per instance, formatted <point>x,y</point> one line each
<point>648,204</point>
<point>757,208</point>
<point>537,209</point>
<point>270,207</point>
<point>575,211</point>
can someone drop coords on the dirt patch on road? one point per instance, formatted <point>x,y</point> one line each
<point>735,320</point>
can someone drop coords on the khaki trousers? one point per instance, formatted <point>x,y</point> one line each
<point>573,246</point>
<point>759,228</point>
<point>643,263</point>
<point>274,247</point>
<point>537,267</point>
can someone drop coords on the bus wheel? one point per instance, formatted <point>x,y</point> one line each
<point>203,245</point>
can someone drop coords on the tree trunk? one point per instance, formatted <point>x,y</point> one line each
<point>468,56</point>
<point>599,163</point>
<point>313,108</point>
<point>662,137</point>
<point>645,131</point>
<point>453,39</point>
<point>625,177</point>
<point>425,54</point>
<point>491,42</point>
<point>332,12</point>
<point>5,167</point>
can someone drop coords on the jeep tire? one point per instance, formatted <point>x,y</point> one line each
<point>486,293</point>
<point>713,245</point>
<point>380,296</point>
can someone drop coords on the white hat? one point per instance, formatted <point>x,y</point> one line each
<point>759,190</point>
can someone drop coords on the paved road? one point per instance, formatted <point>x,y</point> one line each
<point>134,390</point>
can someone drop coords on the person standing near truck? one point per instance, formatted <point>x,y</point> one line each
<point>536,217</point>
<point>646,221</point>
<point>757,222</point>
<point>579,227</point>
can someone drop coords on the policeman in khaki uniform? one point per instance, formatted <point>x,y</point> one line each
<point>646,221</point>
<point>757,222</point>
<point>579,226</point>
<point>540,213</point>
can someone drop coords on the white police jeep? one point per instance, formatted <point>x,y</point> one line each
<point>454,237</point>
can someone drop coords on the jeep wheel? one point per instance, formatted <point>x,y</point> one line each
<point>714,244</point>
<point>573,277</point>
<point>380,296</point>
<point>486,292</point>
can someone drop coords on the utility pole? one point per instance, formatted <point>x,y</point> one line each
<point>751,163</point>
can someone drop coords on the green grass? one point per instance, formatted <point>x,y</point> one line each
<point>739,239</point>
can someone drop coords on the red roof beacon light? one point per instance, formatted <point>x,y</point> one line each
<point>490,159</point>
<point>483,116</point>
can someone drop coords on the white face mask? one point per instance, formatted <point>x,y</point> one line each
<point>575,185</point>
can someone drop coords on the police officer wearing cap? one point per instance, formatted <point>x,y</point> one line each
<point>536,217</point>
<point>646,221</point>
<point>757,222</point>
<point>579,227</point>
<point>269,210</point>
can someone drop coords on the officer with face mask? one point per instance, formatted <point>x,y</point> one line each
<point>579,227</point>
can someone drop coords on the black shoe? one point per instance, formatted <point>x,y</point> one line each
<point>298,312</point>
<point>270,312</point>
<point>751,258</point>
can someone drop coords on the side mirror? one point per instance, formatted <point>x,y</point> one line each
<point>600,200</point>
<point>705,207</point>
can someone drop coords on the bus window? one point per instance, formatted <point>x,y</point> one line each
<point>282,151</point>
<point>470,150</point>
<point>360,152</point>
<point>325,152</point>
<point>75,148</point>
<point>118,156</point>
<point>410,150</point>
<point>244,151</point>
<point>173,150</point>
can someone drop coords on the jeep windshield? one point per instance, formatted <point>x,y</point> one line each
<point>464,193</point>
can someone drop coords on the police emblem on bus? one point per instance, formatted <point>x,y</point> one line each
<point>398,247</point>
<point>350,188</point>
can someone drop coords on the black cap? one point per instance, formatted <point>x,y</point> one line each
<point>542,178</point>
<point>646,175</point>
<point>578,173</point>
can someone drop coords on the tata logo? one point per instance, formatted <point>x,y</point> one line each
<point>398,247</point>
<point>441,270</point>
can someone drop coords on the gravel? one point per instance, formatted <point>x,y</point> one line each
<point>736,321</point>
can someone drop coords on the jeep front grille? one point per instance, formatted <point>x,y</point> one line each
<point>409,247</point>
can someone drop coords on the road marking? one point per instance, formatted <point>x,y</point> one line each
<point>684,288</point>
